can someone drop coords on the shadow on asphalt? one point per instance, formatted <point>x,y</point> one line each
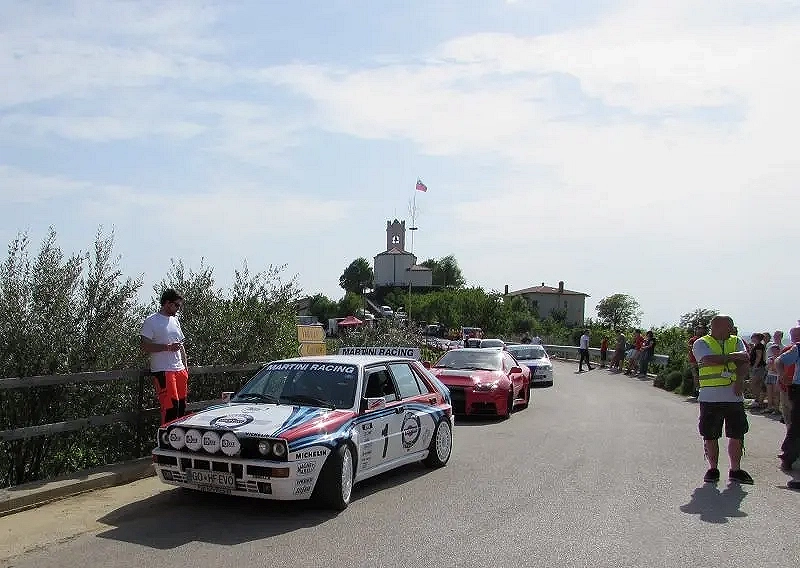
<point>177,517</point>
<point>715,506</point>
<point>477,420</point>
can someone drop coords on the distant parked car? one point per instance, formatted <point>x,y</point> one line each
<point>492,343</point>
<point>387,311</point>
<point>536,359</point>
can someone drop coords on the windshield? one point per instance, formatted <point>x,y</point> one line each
<point>323,384</point>
<point>527,352</point>
<point>492,343</point>
<point>460,359</point>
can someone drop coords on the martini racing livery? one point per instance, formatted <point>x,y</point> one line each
<point>311,427</point>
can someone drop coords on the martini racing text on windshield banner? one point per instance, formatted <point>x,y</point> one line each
<point>410,352</point>
<point>311,367</point>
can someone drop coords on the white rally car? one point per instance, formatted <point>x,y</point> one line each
<point>536,359</point>
<point>311,427</point>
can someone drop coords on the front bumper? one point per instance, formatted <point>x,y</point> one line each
<point>467,401</point>
<point>541,376</point>
<point>262,479</point>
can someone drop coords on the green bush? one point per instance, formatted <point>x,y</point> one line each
<point>687,386</point>
<point>673,380</point>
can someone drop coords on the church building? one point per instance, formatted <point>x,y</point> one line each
<point>397,267</point>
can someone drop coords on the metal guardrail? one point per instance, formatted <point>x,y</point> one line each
<point>572,352</point>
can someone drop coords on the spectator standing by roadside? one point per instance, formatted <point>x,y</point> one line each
<point>648,350</point>
<point>723,364</point>
<point>791,444</point>
<point>775,339</point>
<point>786,377</point>
<point>633,360</point>
<point>773,392</point>
<point>603,352</point>
<point>619,354</point>
<point>758,370</point>
<point>162,338</point>
<point>699,332</point>
<point>584,350</point>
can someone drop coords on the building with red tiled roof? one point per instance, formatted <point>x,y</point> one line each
<point>548,299</point>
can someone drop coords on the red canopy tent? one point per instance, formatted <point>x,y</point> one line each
<point>350,321</point>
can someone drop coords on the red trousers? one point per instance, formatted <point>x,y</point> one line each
<point>171,387</point>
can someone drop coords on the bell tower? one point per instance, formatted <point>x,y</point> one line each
<point>396,235</point>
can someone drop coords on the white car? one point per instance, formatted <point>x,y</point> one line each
<point>497,343</point>
<point>536,359</point>
<point>387,311</point>
<point>311,427</point>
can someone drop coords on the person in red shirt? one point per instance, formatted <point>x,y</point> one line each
<point>603,352</point>
<point>699,332</point>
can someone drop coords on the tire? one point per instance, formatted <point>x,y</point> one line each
<point>527,392</point>
<point>510,404</point>
<point>334,487</point>
<point>441,446</point>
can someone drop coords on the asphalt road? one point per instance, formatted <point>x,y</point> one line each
<point>601,470</point>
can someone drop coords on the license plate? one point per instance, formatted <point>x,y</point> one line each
<point>212,480</point>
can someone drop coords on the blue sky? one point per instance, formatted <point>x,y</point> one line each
<point>633,147</point>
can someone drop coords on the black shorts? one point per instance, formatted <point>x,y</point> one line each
<point>713,414</point>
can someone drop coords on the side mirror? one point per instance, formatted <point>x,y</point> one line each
<point>515,371</point>
<point>226,396</point>
<point>426,364</point>
<point>372,404</point>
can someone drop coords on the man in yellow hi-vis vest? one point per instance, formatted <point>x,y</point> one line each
<point>723,365</point>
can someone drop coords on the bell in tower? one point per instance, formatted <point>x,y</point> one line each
<point>396,235</point>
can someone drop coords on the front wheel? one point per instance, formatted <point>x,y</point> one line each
<point>441,445</point>
<point>526,391</point>
<point>335,484</point>
<point>509,404</point>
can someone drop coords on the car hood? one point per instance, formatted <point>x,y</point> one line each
<point>250,420</point>
<point>534,362</point>
<point>465,377</point>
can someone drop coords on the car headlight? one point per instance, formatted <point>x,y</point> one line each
<point>177,438</point>
<point>279,449</point>
<point>230,444</point>
<point>211,442</point>
<point>194,439</point>
<point>263,447</point>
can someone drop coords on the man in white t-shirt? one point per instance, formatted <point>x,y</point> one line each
<point>162,338</point>
<point>584,350</point>
<point>723,364</point>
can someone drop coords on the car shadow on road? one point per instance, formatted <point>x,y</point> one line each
<point>177,517</point>
<point>715,506</point>
<point>478,420</point>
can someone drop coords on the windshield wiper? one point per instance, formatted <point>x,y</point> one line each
<point>256,396</point>
<point>314,401</point>
<point>477,369</point>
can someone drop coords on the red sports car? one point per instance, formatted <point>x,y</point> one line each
<point>484,381</point>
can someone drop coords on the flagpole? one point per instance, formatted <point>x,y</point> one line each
<point>412,228</point>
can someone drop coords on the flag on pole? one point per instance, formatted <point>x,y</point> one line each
<point>421,186</point>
